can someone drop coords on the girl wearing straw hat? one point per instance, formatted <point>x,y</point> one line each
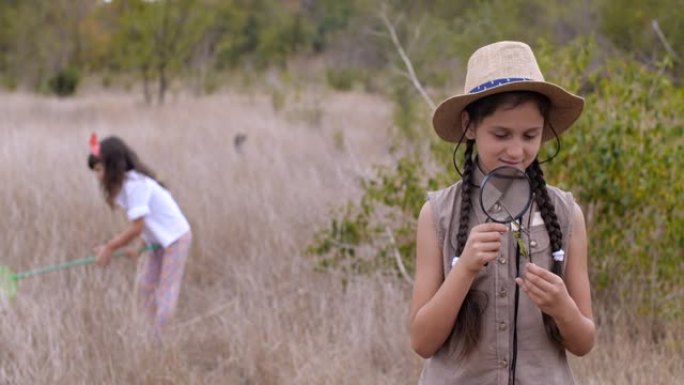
<point>480,314</point>
<point>153,214</point>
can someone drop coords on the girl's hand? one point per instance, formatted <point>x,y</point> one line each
<point>482,246</point>
<point>103,254</point>
<point>545,289</point>
<point>132,253</point>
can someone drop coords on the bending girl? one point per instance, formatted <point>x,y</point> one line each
<point>152,214</point>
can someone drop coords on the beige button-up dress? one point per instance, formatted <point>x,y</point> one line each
<point>538,360</point>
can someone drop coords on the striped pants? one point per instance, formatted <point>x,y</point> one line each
<point>160,279</point>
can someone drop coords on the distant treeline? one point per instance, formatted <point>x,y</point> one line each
<point>48,45</point>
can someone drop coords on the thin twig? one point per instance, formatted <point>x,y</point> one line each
<point>672,296</point>
<point>404,57</point>
<point>397,256</point>
<point>661,36</point>
<point>206,315</point>
<point>337,243</point>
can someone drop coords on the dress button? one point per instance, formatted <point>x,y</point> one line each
<point>502,260</point>
<point>533,243</point>
<point>502,292</point>
<point>502,326</point>
<point>503,363</point>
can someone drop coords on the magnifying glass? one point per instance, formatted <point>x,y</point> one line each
<point>505,194</point>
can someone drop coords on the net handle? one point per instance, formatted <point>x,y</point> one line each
<point>79,262</point>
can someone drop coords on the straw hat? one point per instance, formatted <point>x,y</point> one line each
<point>500,67</point>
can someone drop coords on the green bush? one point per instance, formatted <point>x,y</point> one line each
<point>622,160</point>
<point>9,82</point>
<point>340,79</point>
<point>65,82</point>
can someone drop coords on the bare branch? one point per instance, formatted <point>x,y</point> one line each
<point>397,257</point>
<point>661,36</point>
<point>671,297</point>
<point>405,59</point>
<point>206,315</point>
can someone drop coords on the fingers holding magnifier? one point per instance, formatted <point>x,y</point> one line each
<point>493,229</point>
<point>483,245</point>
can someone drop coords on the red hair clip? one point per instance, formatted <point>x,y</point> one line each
<point>94,145</point>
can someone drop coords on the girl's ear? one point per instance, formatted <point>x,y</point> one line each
<point>466,127</point>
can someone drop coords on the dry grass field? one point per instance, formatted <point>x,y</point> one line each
<point>252,309</point>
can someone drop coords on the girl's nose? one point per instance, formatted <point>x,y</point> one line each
<point>515,150</point>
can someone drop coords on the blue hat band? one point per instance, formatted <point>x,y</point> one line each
<point>496,83</point>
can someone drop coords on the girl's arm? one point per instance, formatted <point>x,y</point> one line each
<point>436,301</point>
<point>569,302</point>
<point>133,231</point>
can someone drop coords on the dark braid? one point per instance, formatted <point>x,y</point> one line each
<point>548,213</point>
<point>466,188</point>
<point>468,322</point>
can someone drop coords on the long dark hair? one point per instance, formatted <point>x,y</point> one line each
<point>469,321</point>
<point>116,158</point>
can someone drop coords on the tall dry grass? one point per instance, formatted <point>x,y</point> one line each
<point>252,309</point>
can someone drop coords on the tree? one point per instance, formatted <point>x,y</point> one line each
<point>156,39</point>
<point>39,39</point>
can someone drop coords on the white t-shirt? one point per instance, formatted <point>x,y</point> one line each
<point>142,196</point>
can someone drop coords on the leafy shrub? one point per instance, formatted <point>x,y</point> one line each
<point>340,79</point>
<point>622,160</point>
<point>64,82</point>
